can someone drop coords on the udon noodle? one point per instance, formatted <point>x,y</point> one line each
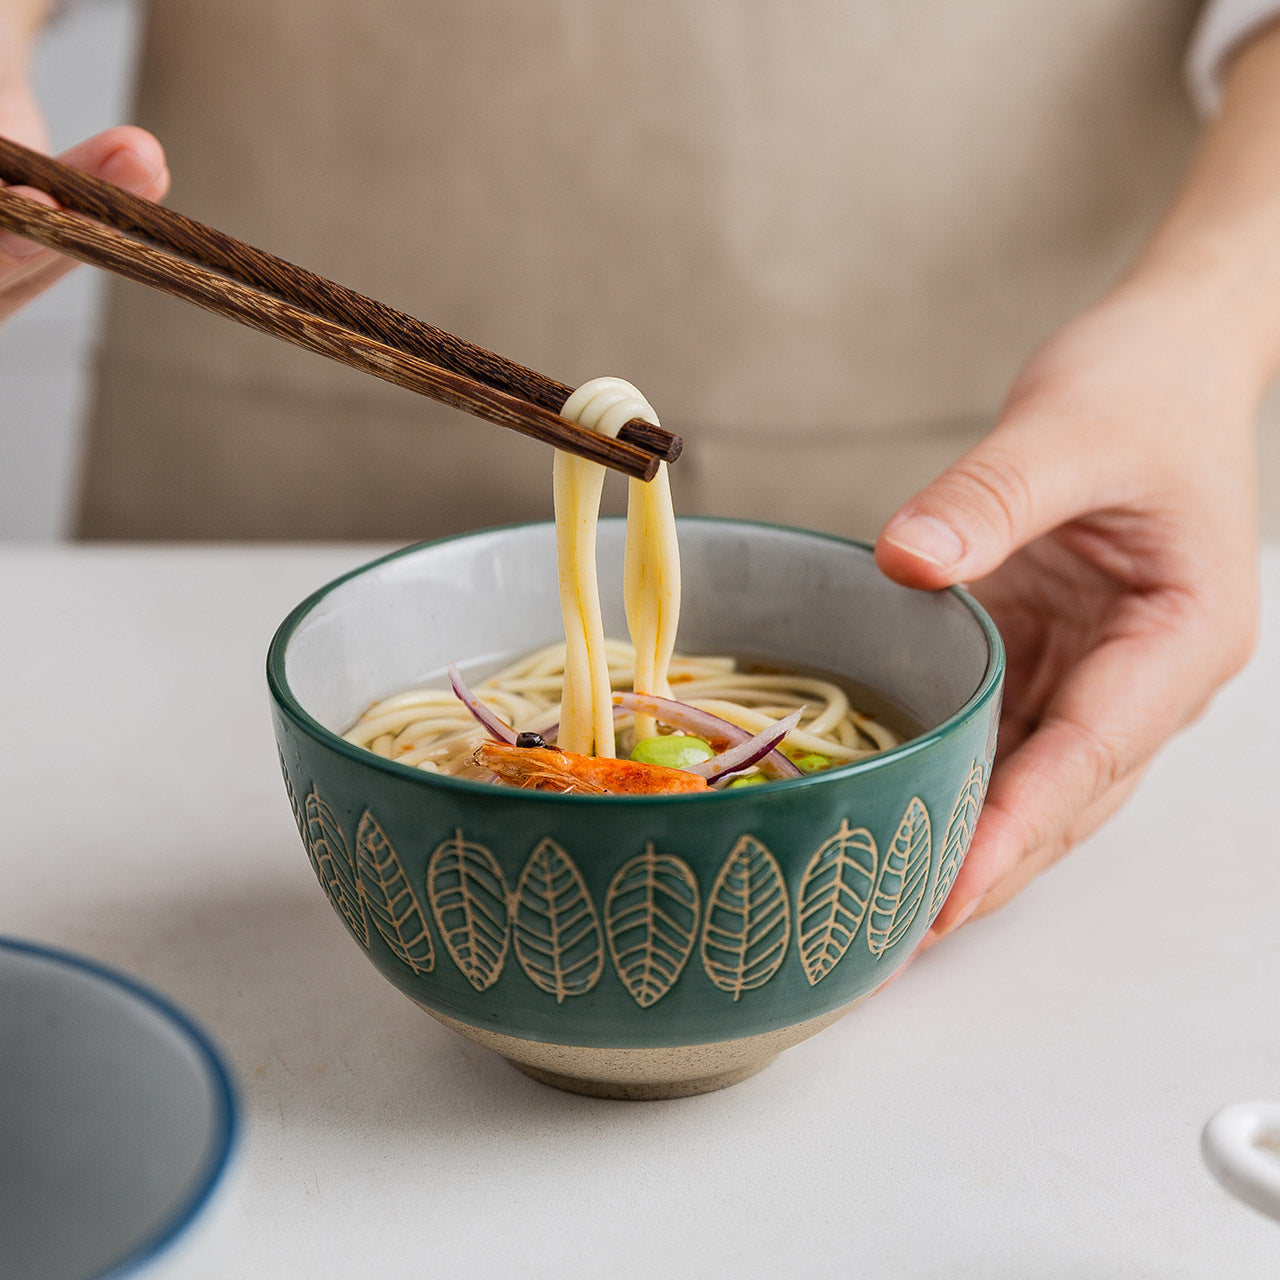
<point>565,691</point>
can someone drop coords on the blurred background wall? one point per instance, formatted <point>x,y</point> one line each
<point>83,73</point>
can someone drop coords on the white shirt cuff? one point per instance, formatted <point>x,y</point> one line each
<point>1223,26</point>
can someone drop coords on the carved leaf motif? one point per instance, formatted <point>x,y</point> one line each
<point>294,807</point>
<point>468,896</point>
<point>955,844</point>
<point>389,897</point>
<point>333,865</point>
<point>651,922</point>
<point>748,920</point>
<point>901,883</point>
<point>557,930</point>
<point>834,893</point>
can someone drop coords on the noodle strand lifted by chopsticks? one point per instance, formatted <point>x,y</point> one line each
<point>651,573</point>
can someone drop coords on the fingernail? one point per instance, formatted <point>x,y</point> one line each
<point>125,169</point>
<point>964,915</point>
<point>927,538</point>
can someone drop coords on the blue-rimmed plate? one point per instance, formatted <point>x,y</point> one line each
<point>119,1125</point>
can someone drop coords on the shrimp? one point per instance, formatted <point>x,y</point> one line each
<point>549,769</point>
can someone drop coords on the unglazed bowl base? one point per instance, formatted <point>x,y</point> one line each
<point>644,1075</point>
<point>641,1091</point>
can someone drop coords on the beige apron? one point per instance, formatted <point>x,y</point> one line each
<point>821,237</point>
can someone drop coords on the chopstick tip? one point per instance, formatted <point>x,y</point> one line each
<point>652,439</point>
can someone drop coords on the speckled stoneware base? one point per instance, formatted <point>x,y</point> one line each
<point>644,1075</point>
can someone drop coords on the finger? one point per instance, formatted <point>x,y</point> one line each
<point>14,247</point>
<point>40,275</point>
<point>1006,491</point>
<point>898,972</point>
<point>1040,860</point>
<point>1102,725</point>
<point>125,156</point>
<point>1033,864</point>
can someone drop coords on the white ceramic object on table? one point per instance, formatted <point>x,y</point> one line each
<point>1241,1146</point>
<point>118,1127</point>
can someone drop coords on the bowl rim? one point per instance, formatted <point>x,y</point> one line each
<point>289,705</point>
<point>227,1123</point>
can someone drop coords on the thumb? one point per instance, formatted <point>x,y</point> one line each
<point>1009,489</point>
<point>124,155</point>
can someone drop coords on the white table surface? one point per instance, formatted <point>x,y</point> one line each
<point>1025,1101</point>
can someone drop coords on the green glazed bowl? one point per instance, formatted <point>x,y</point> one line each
<point>638,946</point>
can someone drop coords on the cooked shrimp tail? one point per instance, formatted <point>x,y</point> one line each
<point>548,769</point>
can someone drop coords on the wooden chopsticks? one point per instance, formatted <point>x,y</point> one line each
<point>110,228</point>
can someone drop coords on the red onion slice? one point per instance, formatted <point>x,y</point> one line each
<point>745,754</point>
<point>497,729</point>
<point>719,732</point>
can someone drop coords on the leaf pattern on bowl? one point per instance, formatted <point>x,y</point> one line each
<point>557,931</point>
<point>748,919</point>
<point>389,897</point>
<point>468,897</point>
<point>294,807</point>
<point>900,886</point>
<point>651,913</point>
<point>331,859</point>
<point>959,835</point>
<point>832,903</point>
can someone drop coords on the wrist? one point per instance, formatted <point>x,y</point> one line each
<point>1216,284</point>
<point>1217,251</point>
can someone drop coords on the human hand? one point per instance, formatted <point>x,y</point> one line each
<point>128,157</point>
<point>1108,524</point>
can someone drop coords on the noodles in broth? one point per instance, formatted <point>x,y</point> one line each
<point>565,692</point>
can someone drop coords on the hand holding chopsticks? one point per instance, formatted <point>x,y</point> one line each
<point>109,228</point>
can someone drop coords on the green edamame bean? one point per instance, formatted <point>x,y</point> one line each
<point>672,750</point>
<point>811,762</point>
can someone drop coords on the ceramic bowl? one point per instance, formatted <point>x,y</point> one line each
<point>118,1127</point>
<point>638,946</point>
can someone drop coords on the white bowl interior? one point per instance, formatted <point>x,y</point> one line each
<point>111,1124</point>
<point>747,589</point>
